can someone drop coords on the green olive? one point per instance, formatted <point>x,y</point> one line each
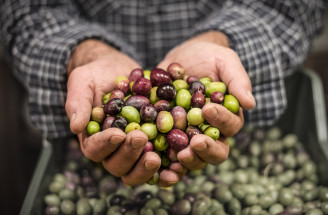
<point>146,74</point>
<point>160,143</point>
<point>164,121</point>
<point>67,206</point>
<point>205,80</point>
<point>106,98</point>
<point>132,126</point>
<point>52,200</point>
<point>195,116</point>
<point>93,127</point>
<point>231,103</point>
<point>215,87</point>
<point>180,84</point>
<point>212,132</point>
<point>153,98</point>
<point>131,114</point>
<point>183,99</point>
<point>150,130</point>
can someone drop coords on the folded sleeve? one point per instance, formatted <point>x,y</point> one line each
<point>41,35</point>
<point>272,39</point>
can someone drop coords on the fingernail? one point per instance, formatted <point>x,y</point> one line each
<point>150,165</point>
<point>202,146</point>
<point>137,142</point>
<point>73,116</point>
<point>250,95</point>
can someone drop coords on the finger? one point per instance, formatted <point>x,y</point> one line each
<point>99,145</point>
<point>122,161</point>
<point>188,158</point>
<point>79,101</point>
<point>178,168</point>
<point>210,151</point>
<point>168,178</point>
<point>233,74</point>
<point>144,169</point>
<point>227,122</point>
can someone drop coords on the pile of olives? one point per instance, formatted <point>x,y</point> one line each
<point>165,105</point>
<point>267,172</point>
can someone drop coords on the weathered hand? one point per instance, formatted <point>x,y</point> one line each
<point>209,55</point>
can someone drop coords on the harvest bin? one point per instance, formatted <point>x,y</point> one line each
<point>305,116</point>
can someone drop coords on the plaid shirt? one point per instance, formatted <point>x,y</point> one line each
<point>271,37</point>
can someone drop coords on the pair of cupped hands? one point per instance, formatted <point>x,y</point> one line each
<point>92,70</point>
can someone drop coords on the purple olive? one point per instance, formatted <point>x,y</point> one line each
<point>196,86</point>
<point>176,71</point>
<point>166,91</point>
<point>217,97</point>
<point>162,105</point>
<point>122,83</point>
<point>191,79</point>
<point>119,122</point>
<point>117,94</point>
<point>149,147</point>
<point>148,113</point>
<point>135,74</point>
<point>179,117</point>
<point>108,122</point>
<point>197,100</point>
<point>114,106</point>
<point>177,140</point>
<point>137,101</point>
<point>192,131</point>
<point>159,76</point>
<point>141,86</point>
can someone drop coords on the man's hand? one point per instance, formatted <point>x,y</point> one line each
<point>209,55</point>
<point>92,70</point>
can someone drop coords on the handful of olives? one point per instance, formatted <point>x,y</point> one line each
<point>165,105</point>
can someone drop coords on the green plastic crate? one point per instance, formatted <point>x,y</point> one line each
<point>305,116</point>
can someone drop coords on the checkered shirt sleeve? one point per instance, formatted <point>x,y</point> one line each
<point>272,38</point>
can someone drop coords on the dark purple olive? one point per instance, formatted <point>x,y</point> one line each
<point>177,139</point>
<point>197,100</point>
<point>119,122</point>
<point>116,199</point>
<point>171,154</point>
<point>129,206</point>
<point>176,71</point>
<point>149,147</point>
<point>137,101</point>
<point>135,74</point>
<point>196,86</point>
<point>108,122</point>
<point>162,105</point>
<point>179,115</point>
<point>191,79</point>
<point>143,197</point>
<point>122,83</point>
<point>217,97</point>
<point>141,86</point>
<point>166,91</point>
<point>114,106</point>
<point>148,113</point>
<point>116,94</point>
<point>159,76</point>
<point>192,131</point>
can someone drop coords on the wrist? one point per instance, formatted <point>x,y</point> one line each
<point>215,37</point>
<point>86,52</point>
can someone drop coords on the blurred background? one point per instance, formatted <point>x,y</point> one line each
<point>21,142</point>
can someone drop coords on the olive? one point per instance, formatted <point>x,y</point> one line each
<point>149,147</point>
<point>164,121</point>
<point>215,87</point>
<point>113,106</point>
<point>212,132</point>
<point>183,99</point>
<point>142,86</point>
<point>159,76</point>
<point>286,197</point>
<point>177,139</point>
<point>119,122</point>
<point>154,179</point>
<point>166,91</point>
<point>324,207</point>
<point>234,206</point>
<point>153,203</point>
<point>314,211</point>
<point>146,74</point>
<point>197,87</point>
<point>231,103</point>
<point>52,200</point>
<point>160,143</point>
<point>171,154</point>
<point>97,114</point>
<point>122,83</point>
<point>83,207</point>
<point>217,97</point>
<point>181,207</point>
<point>162,105</point>
<point>222,194</point>
<point>192,130</point>
<point>180,84</point>
<point>93,127</point>
<point>148,113</point>
<point>136,101</point>
<point>166,196</point>
<point>197,100</point>
<point>131,114</point>
<point>107,122</point>
<point>67,206</point>
<point>132,126</point>
<point>176,71</point>
<point>191,79</point>
<point>135,74</point>
<point>153,96</point>
<point>195,116</point>
<point>205,80</point>
<point>179,117</point>
<point>150,130</point>
<point>117,94</point>
<point>52,210</point>
<point>276,208</point>
<point>106,98</point>
<point>67,194</point>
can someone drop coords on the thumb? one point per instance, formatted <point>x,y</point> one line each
<point>79,102</point>
<point>233,74</point>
